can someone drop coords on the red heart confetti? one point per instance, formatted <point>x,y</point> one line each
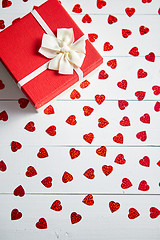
<point>122,84</point>
<point>42,153</point>
<point>3,116</point>
<point>126,33</point>
<point>15,20</point>
<point>134,52</point>
<point>77,8</point>
<point>126,183</point>
<point>84,84</point>
<point>122,104</point>
<point>112,63</point>
<point>130,11</point>
<point>41,224</point>
<point>89,173</point>
<point>99,98</point>
<point>145,118</point>
<point>86,19</point>
<point>67,177</point>
<point>114,206</point>
<point>118,138</point>
<point>88,137</point>
<point>49,110</point>
<point>125,122</point>
<point>142,136</point>
<point>146,1</point>
<point>133,213</point>
<point>156,90</point>
<point>140,95</point>
<point>107,46</point>
<point>120,159</point>
<point>30,127</point>
<point>107,169</point>
<point>102,122</point>
<point>23,102</point>
<point>19,191</point>
<point>92,37</point>
<point>74,153</point>
<point>154,212</point>
<point>112,19</point>
<point>71,120</point>
<point>47,182</point>
<point>101,3</point>
<point>6,3</point>
<point>75,94</point>
<point>31,171</point>
<point>88,200</point>
<point>3,166</point>
<point>101,151</point>
<point>141,73</point>
<point>15,146</point>
<point>51,130</point>
<point>150,57</point>
<point>75,218</point>
<point>157,106</point>
<point>145,161</point>
<point>159,11</point>
<point>2,86</point>
<point>56,206</point>
<point>143,186</point>
<point>103,75</point>
<point>2,25</point>
<point>15,214</point>
<point>143,30</point>
<point>158,163</point>
<point>87,110</point>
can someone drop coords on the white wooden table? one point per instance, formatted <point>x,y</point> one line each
<point>98,221</point>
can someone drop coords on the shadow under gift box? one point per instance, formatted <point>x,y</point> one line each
<point>19,45</point>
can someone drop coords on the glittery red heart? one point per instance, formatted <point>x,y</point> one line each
<point>133,213</point>
<point>158,163</point>
<point>15,146</point>
<point>112,19</point>
<point>150,57</point>
<point>77,8</point>
<point>146,1</point>
<point>2,25</point>
<point>86,19</point>
<point>107,46</point>
<point>134,52</point>
<point>107,169</point>
<point>145,118</point>
<point>101,151</point>
<point>126,183</point>
<point>143,30</point>
<point>88,200</point>
<point>56,206</point>
<point>157,106</point>
<point>85,84</point>
<point>103,75</point>
<point>6,3</point>
<point>47,182</point>
<point>19,191</point>
<point>74,153</point>
<point>75,218</point>
<point>42,153</point>
<point>92,37</point>
<point>154,212</point>
<point>101,3</point>
<point>2,86</point>
<point>126,33</point>
<point>122,84</point>
<point>120,159</point>
<point>156,90</point>
<point>145,161</point>
<point>141,73</point>
<point>51,130</point>
<point>15,214</point>
<point>125,122</point>
<point>114,206</point>
<point>23,102</point>
<point>3,166</point>
<point>31,171</point>
<point>41,224</point>
<point>118,138</point>
<point>122,104</point>
<point>112,63</point>
<point>88,137</point>
<point>99,98</point>
<point>89,173</point>
<point>15,20</point>
<point>140,95</point>
<point>130,11</point>
<point>49,110</point>
<point>87,110</point>
<point>159,11</point>
<point>30,127</point>
<point>142,136</point>
<point>75,94</point>
<point>102,122</point>
<point>71,120</point>
<point>143,186</point>
<point>67,177</point>
<point>3,116</point>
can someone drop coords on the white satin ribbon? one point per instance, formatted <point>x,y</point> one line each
<point>65,54</point>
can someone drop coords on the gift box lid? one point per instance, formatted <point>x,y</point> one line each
<point>19,45</point>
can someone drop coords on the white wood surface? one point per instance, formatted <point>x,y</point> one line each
<point>97,221</point>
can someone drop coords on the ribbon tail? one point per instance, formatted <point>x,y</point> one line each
<point>65,67</point>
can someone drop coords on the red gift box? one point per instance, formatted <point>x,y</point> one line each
<point>19,45</point>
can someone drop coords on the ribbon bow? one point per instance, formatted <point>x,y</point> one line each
<point>65,54</point>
